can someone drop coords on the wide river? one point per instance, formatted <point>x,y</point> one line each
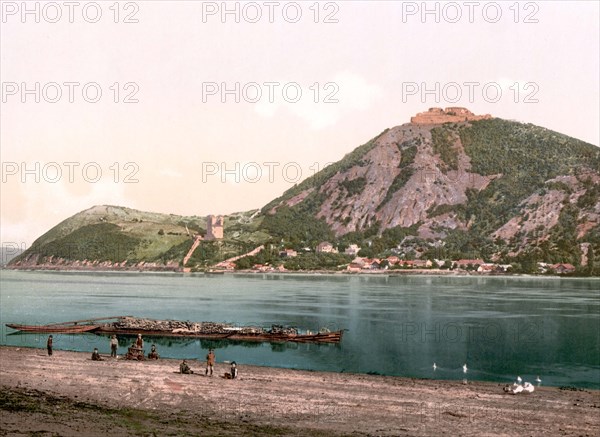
<point>500,327</point>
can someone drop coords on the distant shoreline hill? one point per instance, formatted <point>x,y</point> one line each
<point>448,185</point>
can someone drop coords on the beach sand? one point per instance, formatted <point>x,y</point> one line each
<point>70,395</point>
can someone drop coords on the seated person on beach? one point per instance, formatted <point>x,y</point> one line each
<point>153,355</point>
<point>232,374</point>
<point>184,368</point>
<point>96,356</point>
<point>139,343</point>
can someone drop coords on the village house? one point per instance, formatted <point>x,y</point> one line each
<point>326,247</point>
<point>288,253</point>
<point>370,264</point>
<point>225,265</point>
<point>393,260</point>
<point>352,250</point>
<point>562,268</point>
<point>354,267</point>
<point>374,264</point>
<point>359,261</point>
<point>366,263</point>
<point>422,263</point>
<point>543,267</point>
<point>464,263</point>
<point>486,268</point>
<point>439,262</point>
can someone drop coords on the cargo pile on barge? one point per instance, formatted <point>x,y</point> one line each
<point>129,325</point>
<point>178,327</point>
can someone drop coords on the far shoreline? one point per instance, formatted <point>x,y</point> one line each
<point>342,273</point>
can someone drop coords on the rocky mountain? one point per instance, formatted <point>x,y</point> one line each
<point>449,184</point>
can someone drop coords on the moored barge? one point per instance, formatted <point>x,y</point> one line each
<point>129,325</point>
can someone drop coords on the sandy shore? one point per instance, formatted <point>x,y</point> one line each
<point>68,394</point>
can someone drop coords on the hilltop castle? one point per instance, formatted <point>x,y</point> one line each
<point>214,227</point>
<point>448,115</point>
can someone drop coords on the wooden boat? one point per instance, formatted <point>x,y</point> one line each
<point>73,327</point>
<point>57,329</point>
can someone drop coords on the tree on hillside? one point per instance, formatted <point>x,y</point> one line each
<point>590,263</point>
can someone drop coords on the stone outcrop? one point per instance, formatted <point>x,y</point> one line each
<point>448,115</point>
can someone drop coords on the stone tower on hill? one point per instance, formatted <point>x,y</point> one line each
<point>214,227</point>
<point>448,115</point>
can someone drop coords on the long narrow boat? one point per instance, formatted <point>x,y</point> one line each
<point>72,327</point>
<point>54,328</point>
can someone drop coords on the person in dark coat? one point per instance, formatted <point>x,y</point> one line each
<point>184,368</point>
<point>49,345</point>
<point>153,355</point>
<point>233,371</point>
<point>114,344</point>
<point>96,356</point>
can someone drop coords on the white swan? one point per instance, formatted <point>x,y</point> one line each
<point>465,368</point>
<point>434,367</point>
<point>519,380</point>
<point>538,380</point>
<point>528,387</point>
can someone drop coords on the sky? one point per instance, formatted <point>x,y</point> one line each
<point>196,108</point>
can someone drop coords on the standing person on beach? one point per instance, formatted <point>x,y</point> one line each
<point>139,343</point>
<point>114,344</point>
<point>210,362</point>
<point>49,345</point>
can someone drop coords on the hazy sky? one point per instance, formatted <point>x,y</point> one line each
<point>207,107</point>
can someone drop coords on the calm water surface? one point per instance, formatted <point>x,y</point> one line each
<point>499,327</point>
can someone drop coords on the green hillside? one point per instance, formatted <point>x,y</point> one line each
<point>118,234</point>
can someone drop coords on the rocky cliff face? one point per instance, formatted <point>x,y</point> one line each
<point>403,152</point>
